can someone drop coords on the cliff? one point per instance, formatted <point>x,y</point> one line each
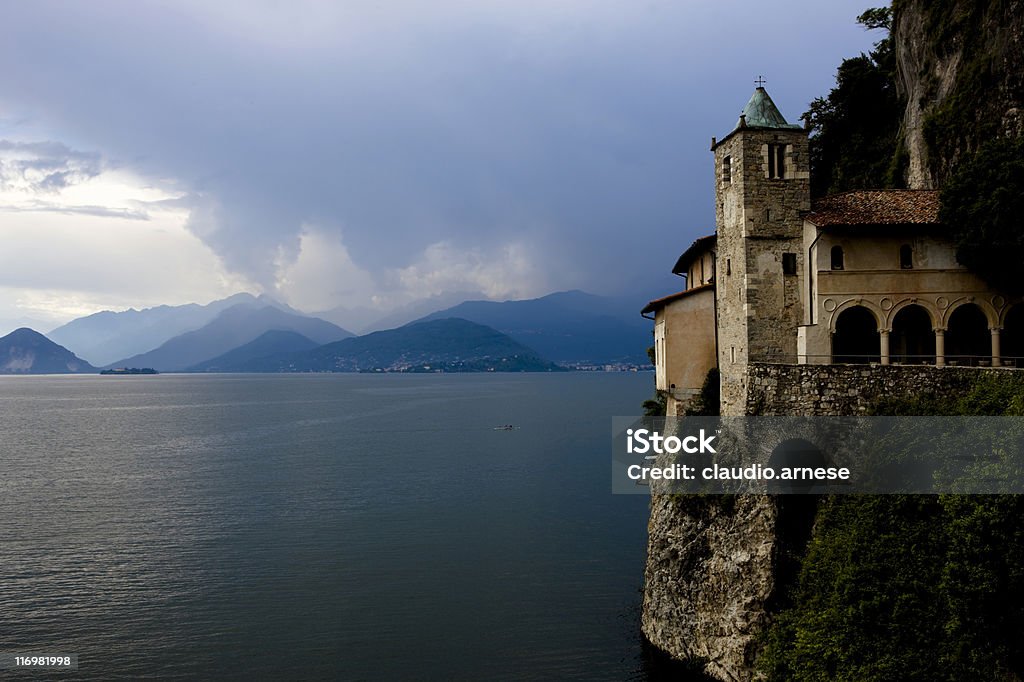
<point>711,572</point>
<point>960,66</point>
<point>719,570</point>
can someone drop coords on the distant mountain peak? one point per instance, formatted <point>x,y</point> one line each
<point>26,351</point>
<point>233,327</point>
<point>570,327</point>
<point>106,336</point>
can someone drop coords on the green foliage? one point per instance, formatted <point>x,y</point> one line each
<point>855,131</point>
<point>983,585</point>
<point>876,17</point>
<point>656,406</point>
<point>905,587</point>
<point>982,206</point>
<point>866,606</point>
<point>651,355</point>
<point>708,402</point>
<point>988,395</point>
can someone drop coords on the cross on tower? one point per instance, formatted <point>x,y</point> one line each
<point>760,81</point>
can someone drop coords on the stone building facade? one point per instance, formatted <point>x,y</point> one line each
<point>864,277</point>
<point>683,359</point>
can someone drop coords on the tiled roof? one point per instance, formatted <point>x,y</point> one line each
<point>659,303</point>
<point>696,248</point>
<point>877,207</point>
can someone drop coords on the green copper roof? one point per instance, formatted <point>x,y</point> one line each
<point>761,112</point>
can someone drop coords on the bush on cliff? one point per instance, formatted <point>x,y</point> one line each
<point>906,587</point>
<point>982,205</point>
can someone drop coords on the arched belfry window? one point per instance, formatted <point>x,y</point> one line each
<point>837,258</point>
<point>727,169</point>
<point>906,257</point>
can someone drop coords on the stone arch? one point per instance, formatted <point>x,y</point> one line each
<point>912,340</point>
<point>854,303</point>
<point>795,453</point>
<point>855,340</point>
<point>1012,342</point>
<point>933,314</point>
<point>968,339</point>
<point>991,316</point>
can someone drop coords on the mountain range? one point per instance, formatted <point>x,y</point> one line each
<point>569,327</point>
<point>25,351</point>
<point>273,342</point>
<point>107,336</point>
<point>234,327</point>
<point>447,345</point>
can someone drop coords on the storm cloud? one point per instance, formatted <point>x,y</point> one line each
<point>510,148</point>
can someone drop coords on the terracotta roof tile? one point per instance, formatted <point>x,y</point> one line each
<point>660,303</point>
<point>877,207</point>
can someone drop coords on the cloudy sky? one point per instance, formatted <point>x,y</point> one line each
<point>367,155</point>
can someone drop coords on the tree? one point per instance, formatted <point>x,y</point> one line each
<point>982,206</point>
<point>854,141</point>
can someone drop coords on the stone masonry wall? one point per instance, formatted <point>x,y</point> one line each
<point>758,219</point>
<point>848,390</point>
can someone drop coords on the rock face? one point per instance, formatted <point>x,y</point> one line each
<point>710,574</point>
<point>961,69</point>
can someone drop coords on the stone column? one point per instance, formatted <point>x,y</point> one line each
<point>884,338</point>
<point>996,352</point>
<point>940,347</point>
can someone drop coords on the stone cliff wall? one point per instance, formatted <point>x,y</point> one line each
<point>717,566</point>
<point>961,69</point>
<point>848,390</point>
<point>710,573</point>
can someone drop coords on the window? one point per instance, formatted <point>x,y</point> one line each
<point>906,257</point>
<point>776,161</point>
<point>728,266</point>
<point>727,169</point>
<point>789,263</point>
<point>837,258</point>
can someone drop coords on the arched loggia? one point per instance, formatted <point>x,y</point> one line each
<point>856,340</point>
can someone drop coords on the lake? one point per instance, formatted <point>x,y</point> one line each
<point>321,526</point>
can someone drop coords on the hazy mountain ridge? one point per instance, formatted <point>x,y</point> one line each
<point>567,327</point>
<point>366,320</point>
<point>570,328</point>
<point>26,351</point>
<point>106,336</point>
<point>448,345</point>
<point>231,329</point>
<point>273,342</point>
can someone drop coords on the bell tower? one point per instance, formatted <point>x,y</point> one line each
<point>762,190</point>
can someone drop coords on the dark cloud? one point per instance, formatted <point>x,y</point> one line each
<point>577,128</point>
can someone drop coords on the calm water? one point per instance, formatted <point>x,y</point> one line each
<point>320,526</point>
